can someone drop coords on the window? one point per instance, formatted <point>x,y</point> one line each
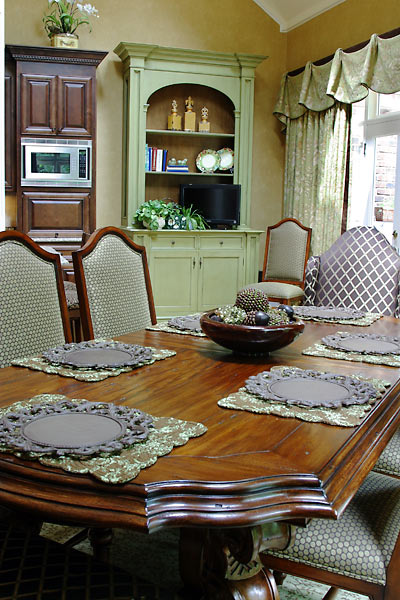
<point>374,189</point>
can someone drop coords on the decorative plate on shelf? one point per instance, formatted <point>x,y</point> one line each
<point>226,159</point>
<point>208,161</point>
<point>98,354</point>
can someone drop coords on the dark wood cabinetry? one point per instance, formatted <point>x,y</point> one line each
<point>51,93</point>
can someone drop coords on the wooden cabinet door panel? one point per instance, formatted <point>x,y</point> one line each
<point>9,134</point>
<point>54,214</point>
<point>38,104</point>
<point>174,282</point>
<point>221,276</point>
<point>74,105</point>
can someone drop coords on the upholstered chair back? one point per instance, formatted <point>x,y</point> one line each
<point>113,284</point>
<point>287,250</point>
<point>31,299</point>
<point>360,270</point>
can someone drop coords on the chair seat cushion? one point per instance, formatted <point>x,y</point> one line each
<point>361,542</point>
<point>389,460</point>
<point>275,289</point>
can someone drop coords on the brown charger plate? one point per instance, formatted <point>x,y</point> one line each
<point>363,343</point>
<point>100,354</point>
<point>328,312</point>
<point>309,388</point>
<point>80,428</point>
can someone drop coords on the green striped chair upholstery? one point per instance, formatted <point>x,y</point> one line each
<point>360,552</point>
<point>33,310</point>
<point>113,283</point>
<point>286,253</point>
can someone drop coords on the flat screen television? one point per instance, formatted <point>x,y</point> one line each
<point>219,204</point>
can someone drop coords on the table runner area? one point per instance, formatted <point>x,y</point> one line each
<point>38,363</point>
<point>320,349</point>
<point>349,416</point>
<point>121,467</point>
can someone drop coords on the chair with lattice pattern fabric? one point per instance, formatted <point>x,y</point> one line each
<point>113,283</point>
<point>33,309</point>
<point>360,552</point>
<point>360,270</point>
<point>286,253</point>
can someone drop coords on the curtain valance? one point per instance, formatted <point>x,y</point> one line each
<point>346,78</point>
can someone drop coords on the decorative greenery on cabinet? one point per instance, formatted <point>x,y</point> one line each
<point>156,75</point>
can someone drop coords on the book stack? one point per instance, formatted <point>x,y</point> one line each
<point>156,159</point>
<point>177,169</point>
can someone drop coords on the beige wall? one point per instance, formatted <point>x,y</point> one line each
<point>343,26</point>
<point>224,26</point>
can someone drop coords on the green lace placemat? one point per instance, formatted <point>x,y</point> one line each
<point>320,349</point>
<point>38,363</point>
<point>364,321</point>
<point>125,465</point>
<point>166,328</point>
<point>345,416</point>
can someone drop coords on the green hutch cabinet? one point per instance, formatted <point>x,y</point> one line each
<point>190,271</point>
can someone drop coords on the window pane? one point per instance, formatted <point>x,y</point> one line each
<point>389,103</point>
<point>384,187</point>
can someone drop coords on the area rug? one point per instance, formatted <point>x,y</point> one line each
<point>136,554</point>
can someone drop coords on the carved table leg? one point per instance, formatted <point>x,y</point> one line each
<point>225,564</point>
<point>100,539</point>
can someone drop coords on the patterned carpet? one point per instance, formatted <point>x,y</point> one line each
<point>135,553</point>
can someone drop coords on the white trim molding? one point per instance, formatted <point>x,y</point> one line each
<point>290,14</point>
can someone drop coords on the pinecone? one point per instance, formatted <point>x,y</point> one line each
<point>250,318</point>
<point>278,316</point>
<point>233,315</point>
<point>251,299</point>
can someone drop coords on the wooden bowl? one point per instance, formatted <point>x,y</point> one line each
<point>246,339</point>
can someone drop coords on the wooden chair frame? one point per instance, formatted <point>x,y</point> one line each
<point>50,258</point>
<point>267,244</point>
<point>90,245</point>
<point>337,582</point>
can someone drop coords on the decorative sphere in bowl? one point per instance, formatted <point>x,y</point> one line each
<point>250,339</point>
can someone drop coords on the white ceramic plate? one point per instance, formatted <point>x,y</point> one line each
<point>226,159</point>
<point>208,161</point>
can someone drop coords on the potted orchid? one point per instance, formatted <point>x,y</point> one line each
<point>64,19</point>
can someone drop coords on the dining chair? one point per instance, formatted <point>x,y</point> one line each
<point>360,270</point>
<point>113,283</point>
<point>33,308</point>
<point>287,249</point>
<point>360,552</point>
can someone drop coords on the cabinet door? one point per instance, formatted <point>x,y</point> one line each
<point>9,132</point>
<point>38,104</point>
<point>221,276</point>
<point>75,99</point>
<point>174,281</point>
<point>55,214</point>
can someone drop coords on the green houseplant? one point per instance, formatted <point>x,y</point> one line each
<point>66,16</point>
<point>164,214</point>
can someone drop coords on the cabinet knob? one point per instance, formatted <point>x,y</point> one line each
<point>173,243</point>
<point>221,243</point>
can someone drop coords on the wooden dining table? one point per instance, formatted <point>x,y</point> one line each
<point>237,489</point>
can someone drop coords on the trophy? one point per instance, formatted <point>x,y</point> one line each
<point>190,116</point>
<point>204,124</point>
<point>174,120</point>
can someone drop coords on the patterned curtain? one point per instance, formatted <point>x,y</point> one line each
<point>316,151</point>
<point>314,107</point>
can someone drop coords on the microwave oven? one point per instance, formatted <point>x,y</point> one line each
<point>56,162</point>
